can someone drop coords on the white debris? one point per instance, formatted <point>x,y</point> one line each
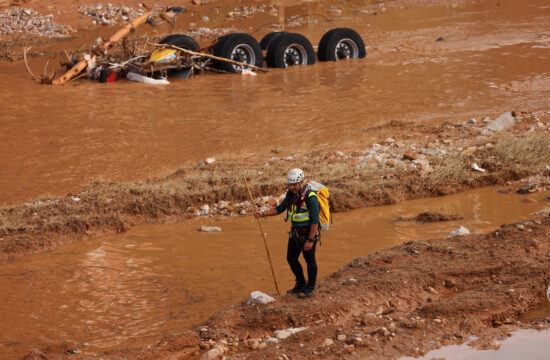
<point>248,72</point>
<point>205,209</point>
<point>283,334</point>
<point>258,297</point>
<point>147,80</point>
<point>477,168</point>
<point>210,229</point>
<point>209,160</point>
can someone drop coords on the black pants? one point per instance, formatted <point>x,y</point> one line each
<point>295,247</point>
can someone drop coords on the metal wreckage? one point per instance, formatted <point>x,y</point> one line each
<point>179,54</point>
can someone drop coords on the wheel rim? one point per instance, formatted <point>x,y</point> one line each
<point>243,53</point>
<point>295,54</point>
<point>346,49</point>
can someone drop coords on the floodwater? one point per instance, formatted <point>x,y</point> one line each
<point>494,58</point>
<point>133,288</point>
<point>531,344</point>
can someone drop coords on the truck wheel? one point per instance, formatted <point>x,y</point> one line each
<point>290,49</point>
<point>182,41</point>
<point>341,43</point>
<point>239,47</point>
<point>269,38</point>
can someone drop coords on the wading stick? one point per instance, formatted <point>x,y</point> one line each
<point>265,241</point>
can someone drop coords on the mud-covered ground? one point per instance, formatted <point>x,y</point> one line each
<point>404,300</point>
<point>400,301</point>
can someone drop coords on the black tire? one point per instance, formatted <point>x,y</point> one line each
<point>264,44</point>
<point>341,43</point>
<point>290,49</point>
<point>182,41</point>
<point>240,47</point>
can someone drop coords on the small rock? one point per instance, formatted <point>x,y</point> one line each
<point>205,18</point>
<point>329,342</point>
<point>258,297</point>
<point>334,11</point>
<point>349,348</point>
<point>209,160</point>
<point>503,122</point>
<point>440,39</point>
<point>449,283</point>
<point>212,354</point>
<point>283,334</point>
<point>461,231</point>
<point>437,321</point>
<point>339,153</point>
<point>472,121</point>
<point>210,229</point>
<point>341,337</point>
<point>431,290</point>
<point>205,209</point>
<point>409,155</point>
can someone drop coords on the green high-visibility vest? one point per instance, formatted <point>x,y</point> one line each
<point>301,214</point>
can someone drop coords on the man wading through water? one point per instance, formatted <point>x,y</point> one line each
<point>302,209</point>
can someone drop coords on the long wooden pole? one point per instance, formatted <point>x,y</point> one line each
<point>265,240</point>
<point>82,64</point>
<point>254,67</point>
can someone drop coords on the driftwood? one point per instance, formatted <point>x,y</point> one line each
<point>25,50</point>
<point>250,66</point>
<point>82,64</point>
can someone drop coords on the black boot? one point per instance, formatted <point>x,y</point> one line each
<point>298,288</point>
<point>308,292</point>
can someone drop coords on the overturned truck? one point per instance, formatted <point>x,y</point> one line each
<point>232,53</point>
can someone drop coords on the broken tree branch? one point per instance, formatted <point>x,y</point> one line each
<point>25,50</point>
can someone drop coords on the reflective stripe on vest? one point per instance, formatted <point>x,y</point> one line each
<point>299,215</point>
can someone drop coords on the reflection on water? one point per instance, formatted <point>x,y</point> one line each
<point>132,288</point>
<point>523,344</point>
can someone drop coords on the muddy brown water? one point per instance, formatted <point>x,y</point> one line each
<point>531,343</point>
<point>133,288</point>
<point>494,58</point>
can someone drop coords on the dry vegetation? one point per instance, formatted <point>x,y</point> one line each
<point>105,207</point>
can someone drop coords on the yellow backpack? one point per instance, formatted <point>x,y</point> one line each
<point>323,194</point>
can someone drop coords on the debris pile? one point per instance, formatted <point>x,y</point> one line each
<point>18,20</point>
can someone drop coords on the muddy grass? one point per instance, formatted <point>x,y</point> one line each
<point>360,178</point>
<point>404,300</point>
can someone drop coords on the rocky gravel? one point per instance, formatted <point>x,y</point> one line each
<point>25,21</point>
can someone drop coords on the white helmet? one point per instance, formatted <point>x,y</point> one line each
<point>295,176</point>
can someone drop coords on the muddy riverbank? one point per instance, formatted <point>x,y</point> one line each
<point>416,161</point>
<point>400,301</point>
